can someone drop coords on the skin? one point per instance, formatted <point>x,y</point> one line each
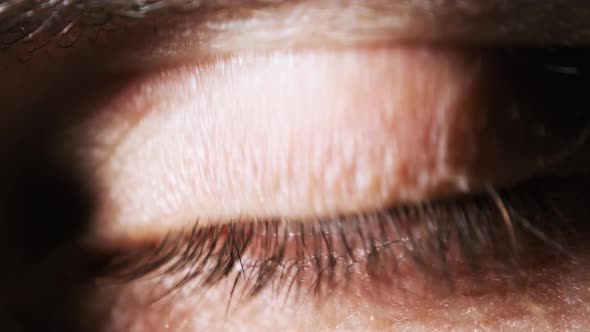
<point>322,155</point>
<point>110,116</point>
<point>553,302</point>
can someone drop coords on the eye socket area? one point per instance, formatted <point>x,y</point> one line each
<point>449,74</point>
<point>318,133</point>
<point>128,139</point>
<point>189,303</point>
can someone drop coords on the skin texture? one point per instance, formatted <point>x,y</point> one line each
<point>103,118</point>
<point>334,133</point>
<point>553,302</point>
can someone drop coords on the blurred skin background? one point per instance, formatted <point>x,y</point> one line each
<point>98,137</point>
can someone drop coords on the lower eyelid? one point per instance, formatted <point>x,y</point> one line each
<point>345,140</point>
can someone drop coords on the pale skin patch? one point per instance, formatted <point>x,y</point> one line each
<point>291,135</point>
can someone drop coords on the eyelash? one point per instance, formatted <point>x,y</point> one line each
<point>472,241</point>
<point>463,244</point>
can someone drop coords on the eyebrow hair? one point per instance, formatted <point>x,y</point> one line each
<point>556,21</point>
<point>27,20</point>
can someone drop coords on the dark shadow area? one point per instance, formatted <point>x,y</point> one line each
<point>44,207</point>
<point>47,199</point>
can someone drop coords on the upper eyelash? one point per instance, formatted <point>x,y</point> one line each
<point>482,235</point>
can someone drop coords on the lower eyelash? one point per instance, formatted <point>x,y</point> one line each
<point>471,241</point>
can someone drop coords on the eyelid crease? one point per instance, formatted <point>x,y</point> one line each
<point>461,245</point>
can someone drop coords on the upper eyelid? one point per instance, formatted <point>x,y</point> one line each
<point>556,21</point>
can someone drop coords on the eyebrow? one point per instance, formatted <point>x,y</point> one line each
<point>29,20</point>
<point>565,22</point>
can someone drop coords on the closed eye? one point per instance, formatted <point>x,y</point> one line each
<point>383,168</point>
<point>479,243</point>
<point>509,181</point>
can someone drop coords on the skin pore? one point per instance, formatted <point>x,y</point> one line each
<point>169,95</point>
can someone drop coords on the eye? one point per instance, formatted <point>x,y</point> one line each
<point>362,180</point>
<point>478,164</point>
<point>333,132</point>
